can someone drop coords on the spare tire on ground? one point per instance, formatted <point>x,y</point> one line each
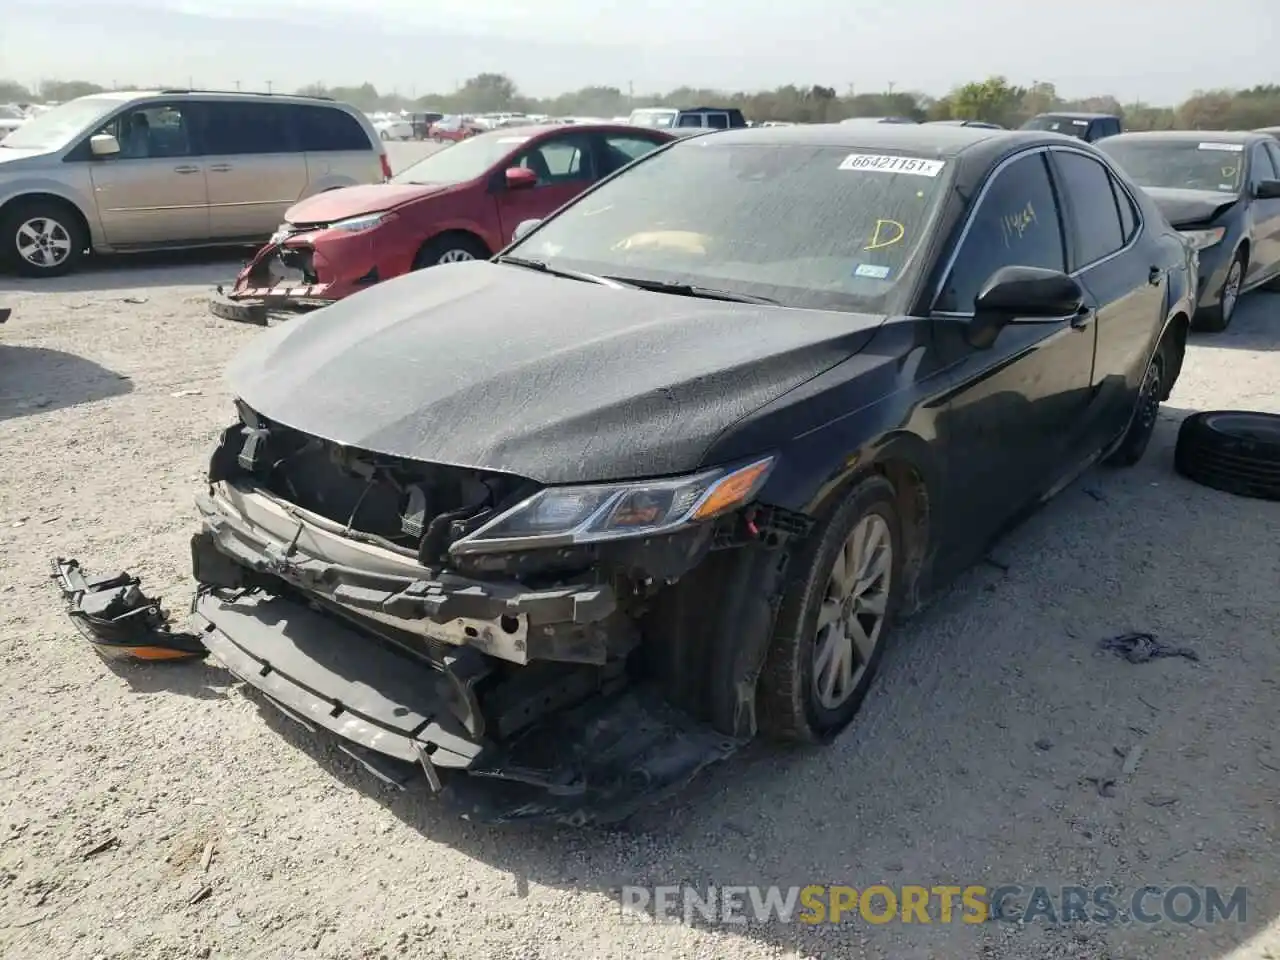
<point>1236,451</point>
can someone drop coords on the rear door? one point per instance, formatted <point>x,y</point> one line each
<point>153,191</point>
<point>565,165</point>
<point>256,169</point>
<point>1127,291</point>
<point>1264,260</point>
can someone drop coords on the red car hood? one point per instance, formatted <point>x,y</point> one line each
<point>334,205</point>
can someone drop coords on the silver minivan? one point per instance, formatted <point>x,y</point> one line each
<point>127,172</point>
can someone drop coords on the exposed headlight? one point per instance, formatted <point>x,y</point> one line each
<point>562,516</point>
<point>361,223</point>
<point>1203,239</point>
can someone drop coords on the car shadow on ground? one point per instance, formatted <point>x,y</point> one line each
<point>37,379</point>
<point>200,679</point>
<point>999,745</point>
<point>162,269</point>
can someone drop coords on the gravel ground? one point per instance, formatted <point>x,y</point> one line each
<point>968,765</point>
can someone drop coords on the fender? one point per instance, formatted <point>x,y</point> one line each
<point>24,187</point>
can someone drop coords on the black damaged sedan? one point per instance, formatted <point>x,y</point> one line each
<point>1221,190</point>
<point>559,529</point>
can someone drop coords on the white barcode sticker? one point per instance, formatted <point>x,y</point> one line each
<point>886,164</point>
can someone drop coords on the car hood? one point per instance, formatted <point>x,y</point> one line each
<point>503,369</point>
<point>15,154</point>
<point>334,205</point>
<point>1182,207</point>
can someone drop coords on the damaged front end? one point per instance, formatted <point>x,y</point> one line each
<point>282,277</point>
<point>456,621</point>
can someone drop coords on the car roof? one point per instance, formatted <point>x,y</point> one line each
<point>124,96</point>
<point>1190,136</point>
<point>943,140</point>
<point>1073,115</point>
<point>536,129</point>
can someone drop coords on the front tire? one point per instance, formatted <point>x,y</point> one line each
<point>1217,318</point>
<point>39,238</point>
<point>450,248</point>
<point>832,625</point>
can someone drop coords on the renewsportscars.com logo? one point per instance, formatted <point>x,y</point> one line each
<point>940,904</point>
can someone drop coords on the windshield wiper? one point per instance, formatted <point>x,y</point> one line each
<point>678,289</point>
<point>542,267</point>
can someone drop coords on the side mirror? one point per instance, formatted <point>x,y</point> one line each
<point>523,228</point>
<point>1022,295</point>
<point>104,145</point>
<point>1267,190</point>
<point>520,178</point>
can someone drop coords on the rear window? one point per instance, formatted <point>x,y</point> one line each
<point>322,129</point>
<point>245,127</point>
<point>843,223</point>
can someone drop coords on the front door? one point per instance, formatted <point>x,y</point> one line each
<point>1014,405</point>
<point>255,167</point>
<point>1265,260</point>
<point>153,191</point>
<point>565,165</point>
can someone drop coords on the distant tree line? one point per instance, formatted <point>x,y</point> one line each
<point>995,100</point>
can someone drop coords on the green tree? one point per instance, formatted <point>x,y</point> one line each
<point>14,92</point>
<point>61,91</point>
<point>489,93</point>
<point>992,100</point>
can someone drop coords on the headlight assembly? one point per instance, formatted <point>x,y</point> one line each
<point>564,516</point>
<point>366,221</point>
<point>1203,239</point>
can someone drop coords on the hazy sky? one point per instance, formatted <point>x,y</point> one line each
<point>1155,50</point>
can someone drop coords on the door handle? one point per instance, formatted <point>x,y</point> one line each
<point>186,169</point>
<point>220,167</point>
<point>1083,317</point>
<point>1153,277</point>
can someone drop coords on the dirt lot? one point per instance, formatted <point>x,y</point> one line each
<point>969,764</point>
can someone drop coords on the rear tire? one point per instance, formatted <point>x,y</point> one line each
<point>41,238</point>
<point>1218,317</point>
<point>834,619</point>
<point>450,248</point>
<point>1146,412</point>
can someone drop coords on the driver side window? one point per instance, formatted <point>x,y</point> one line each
<point>563,159</point>
<point>1016,224</point>
<point>151,131</point>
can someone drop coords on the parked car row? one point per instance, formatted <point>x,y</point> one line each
<point>586,515</point>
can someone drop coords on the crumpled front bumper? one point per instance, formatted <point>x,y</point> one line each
<point>268,284</point>
<point>569,742</point>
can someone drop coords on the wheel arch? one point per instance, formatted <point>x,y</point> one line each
<point>458,232</point>
<point>45,196</point>
<point>906,460</point>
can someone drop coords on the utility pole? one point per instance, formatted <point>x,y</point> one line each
<point>268,86</point>
<point>849,91</point>
<point>891,88</point>
<point>631,93</point>
<point>237,86</point>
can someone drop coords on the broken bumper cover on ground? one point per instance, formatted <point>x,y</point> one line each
<point>596,762</point>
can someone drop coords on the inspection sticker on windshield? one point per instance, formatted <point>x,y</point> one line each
<point>1227,147</point>
<point>880,164</point>
<point>873,270</point>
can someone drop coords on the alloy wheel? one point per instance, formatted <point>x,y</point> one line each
<point>43,242</point>
<point>851,618</point>
<point>456,255</point>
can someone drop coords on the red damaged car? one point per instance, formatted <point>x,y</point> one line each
<point>462,203</point>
